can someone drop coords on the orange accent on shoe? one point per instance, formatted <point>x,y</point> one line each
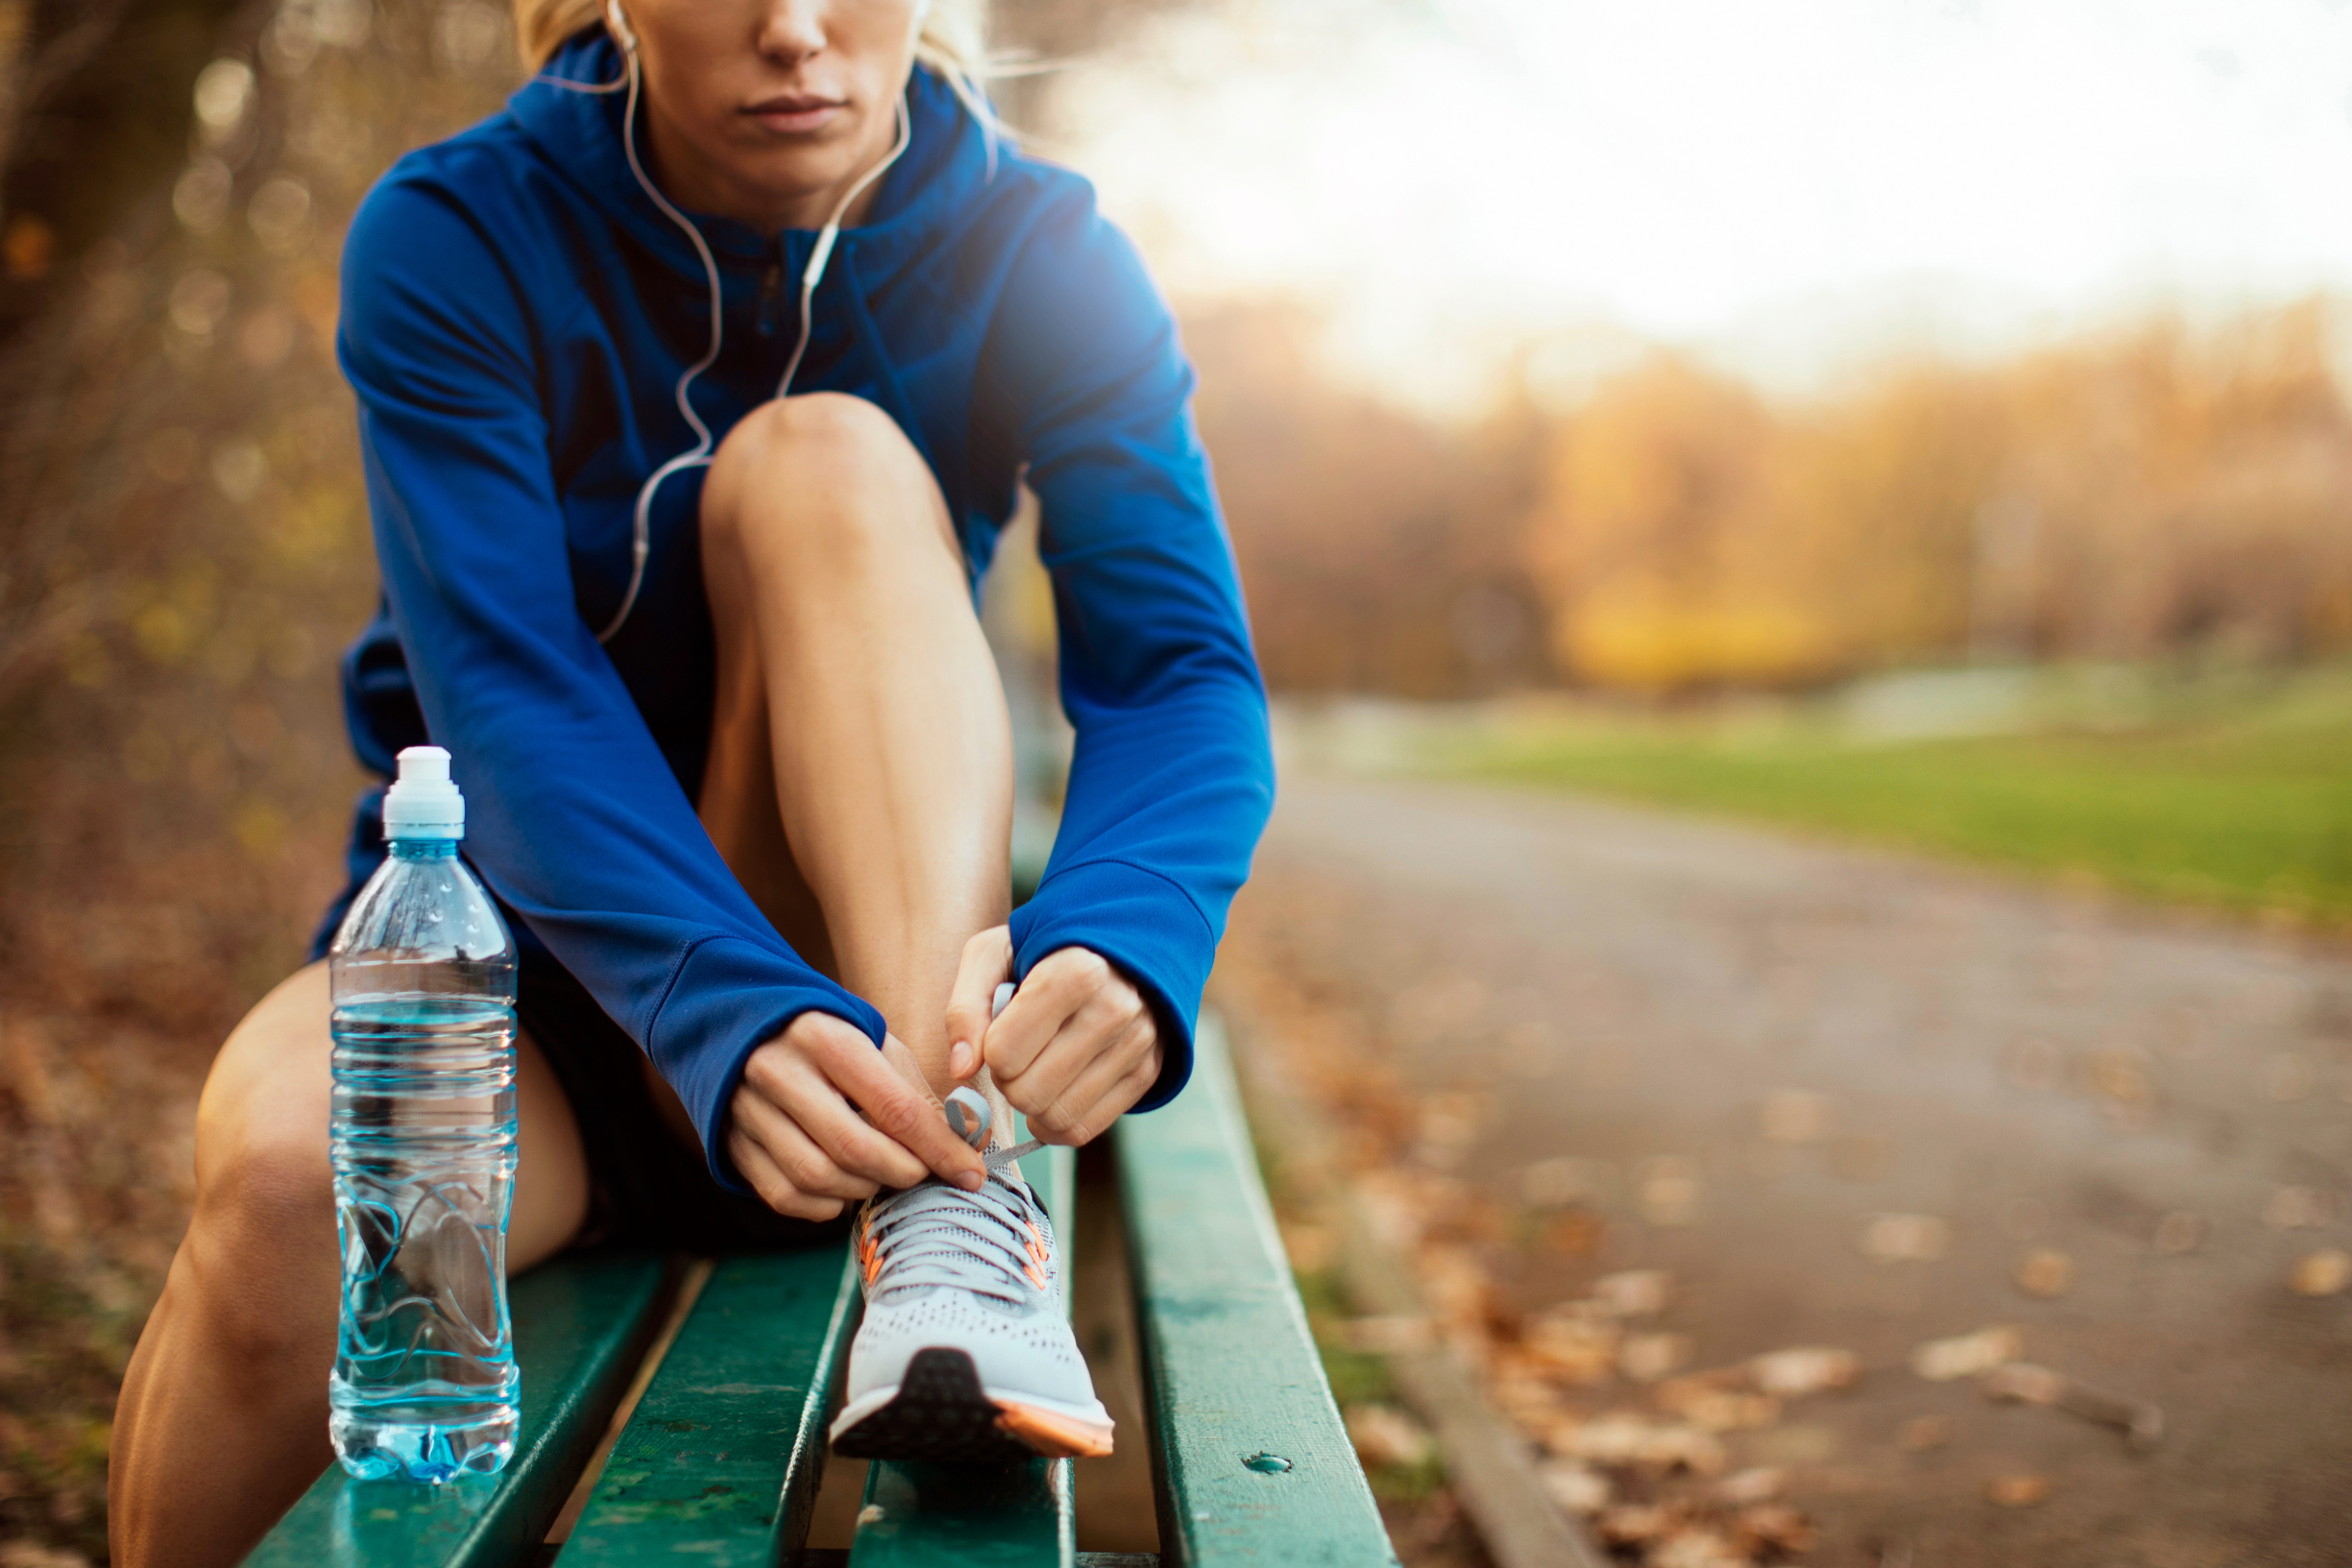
<point>1054,1436</point>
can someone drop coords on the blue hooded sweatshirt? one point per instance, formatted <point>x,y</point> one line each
<point>515,316</point>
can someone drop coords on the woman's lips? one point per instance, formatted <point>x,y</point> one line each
<point>796,113</point>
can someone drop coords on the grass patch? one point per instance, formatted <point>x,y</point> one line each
<point>2244,802</point>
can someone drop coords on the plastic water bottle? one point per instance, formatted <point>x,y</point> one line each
<point>425,1384</point>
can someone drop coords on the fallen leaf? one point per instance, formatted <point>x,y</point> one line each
<point>2322,1273</point>
<point>1623,1438</point>
<point>2043,1271</point>
<point>1385,1436</point>
<point>1667,1192</point>
<point>1634,1524</point>
<point>1695,1546</point>
<point>1719,1410</point>
<point>1776,1526</point>
<point>1576,1232</point>
<point>1575,1346</point>
<point>2298,1208</point>
<point>1758,1483</point>
<point>1574,1488</point>
<point>1448,1125</point>
<point>2026,1384</point>
<point>1718,1401</point>
<point>1633,1292</point>
<point>2017,1491</point>
<point>1521,1391</point>
<point>1906,1237</point>
<point>2140,1422</point>
<point>1792,1374</point>
<point>1645,1357</point>
<point>1967,1355</point>
<point>1455,1285</point>
<point>1923,1432</point>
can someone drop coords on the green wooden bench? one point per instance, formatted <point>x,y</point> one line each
<point>718,1463</point>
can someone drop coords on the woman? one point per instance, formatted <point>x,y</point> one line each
<point>736,755</point>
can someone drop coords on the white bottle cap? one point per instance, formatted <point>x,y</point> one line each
<point>422,802</point>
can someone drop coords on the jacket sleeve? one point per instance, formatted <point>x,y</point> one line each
<point>574,818</point>
<point>1173,776</point>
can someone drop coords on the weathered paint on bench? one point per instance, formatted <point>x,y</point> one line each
<point>581,1326</point>
<point>1251,1462</point>
<point>719,1462</point>
<point>1022,1516</point>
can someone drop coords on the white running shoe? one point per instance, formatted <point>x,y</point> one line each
<point>965,1354</point>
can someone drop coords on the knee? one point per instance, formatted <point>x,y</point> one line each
<point>260,1249</point>
<point>822,473</point>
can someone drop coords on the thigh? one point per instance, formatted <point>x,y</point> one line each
<point>263,1119</point>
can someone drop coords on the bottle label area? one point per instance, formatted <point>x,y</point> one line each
<point>424,1149</point>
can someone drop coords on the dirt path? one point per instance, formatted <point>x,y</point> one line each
<point>1737,1050</point>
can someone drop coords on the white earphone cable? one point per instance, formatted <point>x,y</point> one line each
<point>640,536</point>
<point>821,252</point>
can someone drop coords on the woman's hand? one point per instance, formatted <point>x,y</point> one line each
<point>794,1129</point>
<point>1074,1048</point>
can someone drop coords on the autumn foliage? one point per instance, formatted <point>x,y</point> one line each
<point>2143,494</point>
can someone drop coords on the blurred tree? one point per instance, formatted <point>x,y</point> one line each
<point>1651,542</point>
<point>1378,550</point>
<point>2150,494</point>
<point>95,104</point>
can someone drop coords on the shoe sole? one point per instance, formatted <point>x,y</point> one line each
<point>940,1414</point>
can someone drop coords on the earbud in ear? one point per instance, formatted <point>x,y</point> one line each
<point>619,22</point>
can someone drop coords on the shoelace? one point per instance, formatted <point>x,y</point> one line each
<point>991,1241</point>
<point>969,1114</point>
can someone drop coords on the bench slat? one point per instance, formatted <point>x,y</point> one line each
<point>1230,1372</point>
<point>580,1325</point>
<point>919,1515</point>
<point>721,1457</point>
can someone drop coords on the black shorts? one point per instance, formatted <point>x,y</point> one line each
<point>648,1185</point>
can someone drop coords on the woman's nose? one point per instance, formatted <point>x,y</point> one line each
<point>793,30</point>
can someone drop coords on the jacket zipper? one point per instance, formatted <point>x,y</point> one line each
<point>771,289</point>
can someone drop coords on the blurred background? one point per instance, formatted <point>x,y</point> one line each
<point>1805,557</point>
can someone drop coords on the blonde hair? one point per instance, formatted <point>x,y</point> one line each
<point>954,43</point>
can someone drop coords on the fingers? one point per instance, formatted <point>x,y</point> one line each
<point>800,1083</point>
<point>1076,1074</point>
<point>1058,987</point>
<point>900,1107</point>
<point>774,1188</point>
<point>1076,1048</point>
<point>1115,1079</point>
<point>986,964</point>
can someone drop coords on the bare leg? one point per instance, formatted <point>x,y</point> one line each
<point>861,753</point>
<point>244,1335</point>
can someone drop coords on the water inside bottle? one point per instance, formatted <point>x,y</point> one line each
<point>424,1381</point>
